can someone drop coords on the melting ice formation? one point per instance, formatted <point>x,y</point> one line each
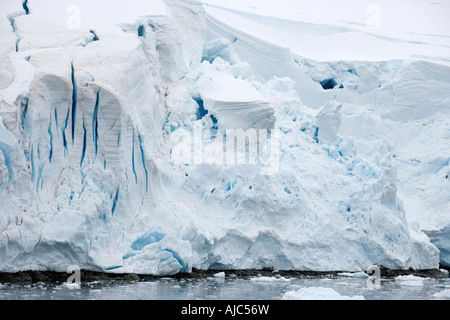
<point>88,108</point>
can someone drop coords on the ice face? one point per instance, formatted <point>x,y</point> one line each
<point>95,121</point>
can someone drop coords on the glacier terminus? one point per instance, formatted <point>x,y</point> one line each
<point>160,136</point>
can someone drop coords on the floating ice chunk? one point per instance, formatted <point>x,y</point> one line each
<point>317,293</point>
<point>410,280</point>
<point>444,294</point>
<point>219,275</point>
<point>269,279</point>
<point>444,272</point>
<point>353,274</point>
<point>73,286</point>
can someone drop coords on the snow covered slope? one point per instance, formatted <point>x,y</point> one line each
<point>115,131</point>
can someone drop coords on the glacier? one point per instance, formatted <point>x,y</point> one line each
<point>94,113</point>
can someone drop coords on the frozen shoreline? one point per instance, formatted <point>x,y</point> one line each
<point>25,277</point>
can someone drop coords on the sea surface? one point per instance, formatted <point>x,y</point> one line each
<point>231,287</point>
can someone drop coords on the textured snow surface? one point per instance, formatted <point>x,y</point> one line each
<point>96,99</point>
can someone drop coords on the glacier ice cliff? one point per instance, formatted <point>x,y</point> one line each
<point>88,177</point>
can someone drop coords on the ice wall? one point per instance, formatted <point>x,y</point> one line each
<point>88,177</point>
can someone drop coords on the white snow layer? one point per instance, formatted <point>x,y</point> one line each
<point>95,97</point>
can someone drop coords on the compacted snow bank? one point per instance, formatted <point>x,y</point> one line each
<point>160,138</point>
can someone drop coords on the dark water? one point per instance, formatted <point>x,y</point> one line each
<point>232,287</point>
